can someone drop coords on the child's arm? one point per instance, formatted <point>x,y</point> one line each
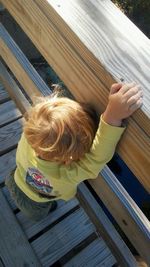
<point>123,101</point>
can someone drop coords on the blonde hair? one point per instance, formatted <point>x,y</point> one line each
<point>60,129</point>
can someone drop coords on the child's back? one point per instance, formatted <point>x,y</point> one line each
<point>60,147</point>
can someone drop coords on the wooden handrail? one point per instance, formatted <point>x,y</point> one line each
<point>81,69</point>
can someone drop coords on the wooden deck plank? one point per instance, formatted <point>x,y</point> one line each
<point>32,228</point>
<point>3,94</point>
<point>9,198</point>
<point>8,113</point>
<point>10,135</point>
<point>96,254</point>
<point>14,247</point>
<point>59,240</point>
<point>7,164</point>
<point>71,66</point>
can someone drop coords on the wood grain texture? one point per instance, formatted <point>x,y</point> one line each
<point>8,197</point>
<point>7,164</point>
<point>125,211</point>
<point>10,135</point>
<point>13,90</point>
<point>32,228</point>
<point>96,254</point>
<point>59,240</point>
<point>8,113</point>
<point>100,31</point>
<point>105,228</point>
<point>16,252</point>
<point>3,94</point>
<point>65,59</point>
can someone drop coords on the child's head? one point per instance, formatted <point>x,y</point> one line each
<point>60,129</point>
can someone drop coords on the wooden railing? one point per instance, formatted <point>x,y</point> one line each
<point>90,44</point>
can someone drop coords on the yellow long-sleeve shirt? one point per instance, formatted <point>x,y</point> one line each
<point>43,181</point>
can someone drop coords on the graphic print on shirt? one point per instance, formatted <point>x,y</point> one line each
<point>39,183</point>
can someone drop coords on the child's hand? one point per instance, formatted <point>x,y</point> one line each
<point>123,101</point>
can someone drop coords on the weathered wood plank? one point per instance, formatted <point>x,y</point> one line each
<point>20,66</point>
<point>73,70</point>
<point>59,240</point>
<point>32,228</point>
<point>96,254</point>
<point>105,228</point>
<point>8,113</point>
<point>7,164</point>
<point>10,135</point>
<point>125,211</point>
<point>9,198</point>
<point>3,94</point>
<point>14,247</point>
<point>105,42</point>
<point>13,89</point>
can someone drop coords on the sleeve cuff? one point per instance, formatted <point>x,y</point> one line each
<point>110,132</point>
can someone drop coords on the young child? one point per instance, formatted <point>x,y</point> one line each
<point>61,146</point>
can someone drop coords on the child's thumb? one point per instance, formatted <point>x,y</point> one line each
<point>115,88</point>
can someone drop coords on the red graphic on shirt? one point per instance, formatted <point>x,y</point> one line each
<point>39,183</point>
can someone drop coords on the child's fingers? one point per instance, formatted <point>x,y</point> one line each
<point>136,105</point>
<point>115,88</point>
<point>127,86</point>
<point>135,97</point>
<point>133,91</point>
